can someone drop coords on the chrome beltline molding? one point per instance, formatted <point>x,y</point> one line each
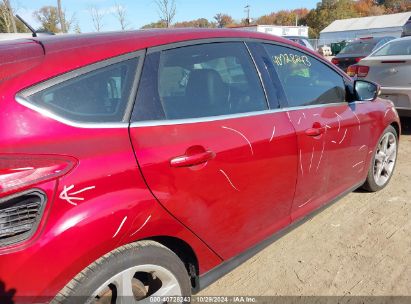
<point>153,123</point>
<point>224,117</point>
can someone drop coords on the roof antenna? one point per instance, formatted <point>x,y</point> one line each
<point>33,31</point>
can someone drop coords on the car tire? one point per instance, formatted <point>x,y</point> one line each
<point>150,266</point>
<point>381,158</point>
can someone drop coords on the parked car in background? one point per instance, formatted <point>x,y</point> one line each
<point>358,49</point>
<point>156,163</point>
<point>406,29</point>
<point>389,66</point>
<point>301,40</point>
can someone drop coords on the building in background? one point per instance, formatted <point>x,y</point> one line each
<point>13,36</point>
<point>375,26</point>
<point>278,30</point>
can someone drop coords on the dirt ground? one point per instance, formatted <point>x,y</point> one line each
<point>359,246</point>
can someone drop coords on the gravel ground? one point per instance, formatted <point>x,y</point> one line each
<point>359,246</point>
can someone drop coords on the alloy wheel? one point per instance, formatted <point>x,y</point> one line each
<point>136,285</point>
<point>385,158</point>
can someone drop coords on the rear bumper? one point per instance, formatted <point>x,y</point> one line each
<point>401,97</point>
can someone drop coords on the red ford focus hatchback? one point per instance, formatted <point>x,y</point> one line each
<point>150,163</point>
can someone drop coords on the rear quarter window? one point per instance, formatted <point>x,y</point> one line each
<point>99,96</point>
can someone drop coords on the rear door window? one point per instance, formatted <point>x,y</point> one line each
<point>306,80</point>
<point>199,81</point>
<point>98,96</point>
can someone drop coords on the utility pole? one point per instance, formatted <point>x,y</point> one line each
<point>247,11</point>
<point>13,22</point>
<point>61,17</point>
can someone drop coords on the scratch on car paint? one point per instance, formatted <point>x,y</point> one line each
<point>328,127</point>
<point>299,121</point>
<point>119,227</point>
<point>362,147</point>
<point>386,112</point>
<point>69,198</point>
<point>345,134</point>
<point>242,135</point>
<point>311,162</point>
<point>305,203</point>
<point>359,122</point>
<point>229,180</point>
<point>333,141</point>
<point>301,163</point>
<point>357,164</point>
<point>289,117</point>
<point>339,121</point>
<point>304,116</point>
<point>370,152</point>
<point>321,156</point>
<point>272,135</point>
<point>316,114</point>
<point>142,226</point>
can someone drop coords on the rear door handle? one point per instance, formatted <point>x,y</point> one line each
<point>192,160</point>
<point>316,130</point>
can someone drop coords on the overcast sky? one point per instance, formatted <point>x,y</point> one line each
<point>140,12</point>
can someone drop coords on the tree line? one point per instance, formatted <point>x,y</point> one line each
<point>55,19</point>
<point>316,19</point>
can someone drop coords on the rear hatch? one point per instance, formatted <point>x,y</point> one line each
<point>18,56</point>
<point>389,71</point>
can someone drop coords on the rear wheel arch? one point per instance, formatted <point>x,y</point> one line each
<point>186,254</point>
<point>82,284</point>
<point>396,126</point>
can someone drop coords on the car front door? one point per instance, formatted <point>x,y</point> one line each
<point>210,150</point>
<point>331,144</point>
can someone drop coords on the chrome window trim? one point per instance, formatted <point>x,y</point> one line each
<point>21,97</point>
<point>84,125</point>
<point>171,122</point>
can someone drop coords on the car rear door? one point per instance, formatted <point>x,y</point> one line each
<point>209,148</point>
<point>330,138</point>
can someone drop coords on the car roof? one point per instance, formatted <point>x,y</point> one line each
<point>142,38</point>
<point>402,38</point>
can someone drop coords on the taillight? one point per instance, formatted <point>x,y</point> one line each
<point>362,71</point>
<point>358,59</point>
<point>334,60</point>
<point>352,70</point>
<point>22,171</point>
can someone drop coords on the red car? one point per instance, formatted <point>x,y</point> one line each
<point>150,163</point>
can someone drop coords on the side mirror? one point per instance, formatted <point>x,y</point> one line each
<point>366,90</point>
